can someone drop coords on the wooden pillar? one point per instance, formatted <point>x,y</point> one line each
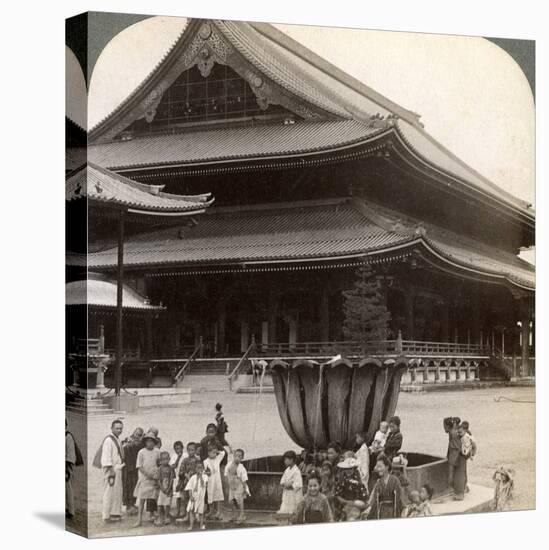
<point>119,305</point>
<point>148,336</point>
<point>444,323</point>
<point>325,315</point>
<point>244,335</point>
<point>409,303</point>
<point>525,330</point>
<point>272,315</point>
<point>221,325</point>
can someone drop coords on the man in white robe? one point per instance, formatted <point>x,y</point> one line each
<point>112,462</point>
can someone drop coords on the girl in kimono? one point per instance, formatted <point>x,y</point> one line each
<point>147,466</point>
<point>386,498</point>
<point>196,487</point>
<point>175,462</point>
<point>425,495</point>
<point>166,476</point>
<point>292,485</point>
<point>314,507</point>
<point>327,482</point>
<point>212,466</point>
<point>503,490</point>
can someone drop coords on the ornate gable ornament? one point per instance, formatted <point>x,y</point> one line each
<point>206,47</point>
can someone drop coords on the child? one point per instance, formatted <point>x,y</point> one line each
<point>292,485</point>
<point>413,509</point>
<point>314,507</point>
<point>187,469</point>
<point>175,462</point>
<point>212,466</point>
<point>503,490</point>
<point>196,488</point>
<point>210,440</point>
<point>131,446</point>
<point>166,476</point>
<point>380,437</point>
<point>307,464</point>
<point>327,483</point>
<point>363,457</point>
<point>238,484</point>
<point>350,494</point>
<point>469,445</point>
<point>147,466</point>
<point>425,495</point>
<point>222,426</point>
<point>333,452</point>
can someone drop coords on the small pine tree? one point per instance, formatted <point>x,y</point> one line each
<point>366,317</point>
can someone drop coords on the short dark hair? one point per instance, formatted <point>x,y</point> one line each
<point>178,444</point>
<point>429,490</point>
<point>211,425</point>
<point>290,454</point>
<point>191,444</point>
<point>241,451</point>
<point>395,420</point>
<point>383,458</point>
<point>218,406</point>
<point>465,425</point>
<point>335,445</point>
<point>314,475</point>
<point>117,421</point>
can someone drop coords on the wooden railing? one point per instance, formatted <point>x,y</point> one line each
<point>181,372</point>
<point>377,347</point>
<point>234,374</point>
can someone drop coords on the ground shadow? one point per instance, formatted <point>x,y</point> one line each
<point>57,519</point>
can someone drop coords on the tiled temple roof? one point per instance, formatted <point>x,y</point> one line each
<point>103,186</point>
<point>101,292</point>
<point>229,143</point>
<point>347,103</point>
<point>309,231</point>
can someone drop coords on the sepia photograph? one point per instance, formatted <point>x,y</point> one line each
<point>300,275</point>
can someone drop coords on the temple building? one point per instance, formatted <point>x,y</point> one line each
<point>313,174</point>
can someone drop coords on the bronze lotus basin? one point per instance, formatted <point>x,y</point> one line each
<point>320,403</point>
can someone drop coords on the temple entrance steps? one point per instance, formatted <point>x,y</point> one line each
<point>205,382</point>
<point>90,407</point>
<point>214,366</point>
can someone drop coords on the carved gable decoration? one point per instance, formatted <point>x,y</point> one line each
<point>211,56</point>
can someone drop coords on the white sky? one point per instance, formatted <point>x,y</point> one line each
<point>471,95</point>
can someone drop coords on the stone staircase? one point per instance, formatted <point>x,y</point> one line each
<point>218,367</point>
<point>211,382</point>
<point>91,407</point>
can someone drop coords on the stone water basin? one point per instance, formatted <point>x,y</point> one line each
<point>265,473</point>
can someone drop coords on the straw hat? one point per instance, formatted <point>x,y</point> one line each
<point>150,435</point>
<point>348,463</point>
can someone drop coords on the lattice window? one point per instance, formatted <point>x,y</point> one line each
<point>191,99</point>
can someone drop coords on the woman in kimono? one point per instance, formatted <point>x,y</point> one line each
<point>386,500</point>
<point>292,485</point>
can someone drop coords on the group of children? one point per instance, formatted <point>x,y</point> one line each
<point>338,481</point>
<point>183,486</point>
